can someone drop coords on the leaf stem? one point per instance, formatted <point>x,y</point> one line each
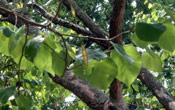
<point>20,60</point>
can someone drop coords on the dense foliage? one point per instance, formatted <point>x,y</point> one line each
<point>27,60</point>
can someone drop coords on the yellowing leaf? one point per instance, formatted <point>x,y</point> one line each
<point>20,5</point>
<point>72,31</point>
<point>74,49</point>
<point>164,55</point>
<point>146,1</point>
<point>85,55</point>
<point>150,5</point>
<point>73,11</point>
<point>144,16</point>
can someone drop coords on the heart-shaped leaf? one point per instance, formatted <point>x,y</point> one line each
<point>149,32</point>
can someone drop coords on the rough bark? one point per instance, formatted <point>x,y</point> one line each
<point>116,22</point>
<point>116,95</point>
<point>93,97</point>
<point>87,21</point>
<point>157,89</point>
<point>72,26</point>
<point>61,22</point>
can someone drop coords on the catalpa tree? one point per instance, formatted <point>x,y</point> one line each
<point>112,55</point>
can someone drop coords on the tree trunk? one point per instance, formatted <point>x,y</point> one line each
<point>116,22</point>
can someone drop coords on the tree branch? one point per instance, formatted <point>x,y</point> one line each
<point>157,89</point>
<point>67,24</point>
<point>116,22</point>
<point>93,97</point>
<point>48,2</point>
<point>60,21</point>
<point>87,21</point>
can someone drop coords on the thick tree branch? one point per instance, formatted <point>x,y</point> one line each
<point>11,17</point>
<point>93,97</point>
<point>87,21</point>
<point>60,21</point>
<point>69,25</point>
<point>157,89</point>
<point>116,22</point>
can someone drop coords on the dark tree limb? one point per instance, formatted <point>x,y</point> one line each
<point>116,22</point>
<point>157,89</point>
<point>87,21</point>
<point>60,21</point>
<point>93,97</point>
<point>67,24</point>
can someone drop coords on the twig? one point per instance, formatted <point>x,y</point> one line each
<point>16,18</point>
<point>48,2</point>
<point>20,60</point>
<point>4,19</point>
<point>66,55</point>
<point>22,18</point>
<point>24,8</point>
<point>102,39</point>
<point>57,12</point>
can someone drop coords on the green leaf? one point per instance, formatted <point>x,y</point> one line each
<point>127,72</point>
<point>122,53</point>
<point>92,54</point>
<point>149,32</point>
<point>83,71</point>
<point>16,42</point>
<point>26,64</point>
<point>16,39</point>
<point>69,47</point>
<point>6,93</point>
<point>32,48</point>
<point>167,39</point>
<point>135,87</point>
<point>139,42</point>
<point>152,63</point>
<point>50,42</point>
<point>23,103</point>
<point>58,65</point>
<point>170,13</point>
<point>4,44</point>
<point>151,52</point>
<point>103,74</point>
<point>43,59</point>
<point>70,50</point>
<point>8,32</point>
